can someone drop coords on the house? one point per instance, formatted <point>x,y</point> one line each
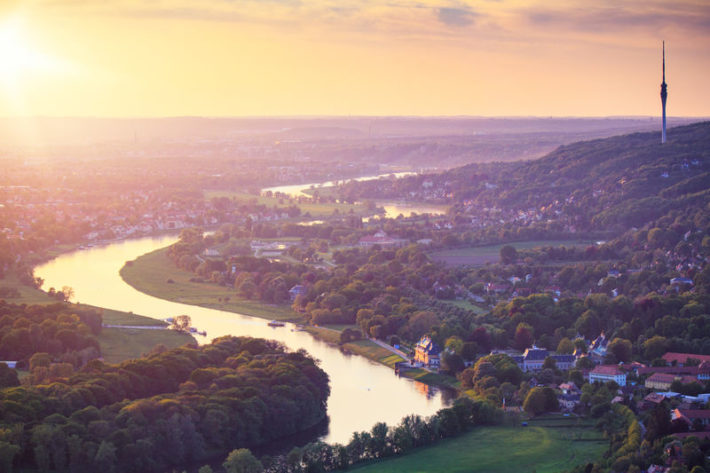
<point>651,401</point>
<point>691,416</point>
<point>569,388</point>
<point>606,373</point>
<point>533,359</point>
<point>681,281</point>
<point>660,381</point>
<point>380,238</point>
<point>661,378</point>
<point>681,359</point>
<point>598,347</point>
<point>704,371</point>
<point>297,290</point>
<point>568,401</point>
<point>427,352</point>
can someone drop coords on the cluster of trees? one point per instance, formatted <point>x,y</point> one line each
<point>384,441</point>
<point>165,410</point>
<point>57,329</point>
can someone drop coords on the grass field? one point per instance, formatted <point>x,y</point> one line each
<point>542,447</point>
<point>364,348</point>
<point>150,274</point>
<point>119,344</point>
<point>476,309</point>
<point>480,255</point>
<point>315,210</point>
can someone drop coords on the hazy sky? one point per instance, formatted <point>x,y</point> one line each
<point>347,57</point>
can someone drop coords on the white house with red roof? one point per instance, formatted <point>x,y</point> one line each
<point>606,373</point>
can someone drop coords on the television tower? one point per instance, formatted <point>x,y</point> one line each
<point>664,94</point>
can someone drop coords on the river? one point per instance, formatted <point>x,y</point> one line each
<point>362,392</point>
<point>392,208</point>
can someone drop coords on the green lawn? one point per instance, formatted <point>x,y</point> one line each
<point>150,274</point>
<point>538,448</point>
<point>469,306</point>
<point>364,348</point>
<point>119,344</point>
<point>481,255</point>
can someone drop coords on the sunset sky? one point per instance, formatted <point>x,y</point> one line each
<point>147,58</point>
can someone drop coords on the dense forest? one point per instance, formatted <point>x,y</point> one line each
<point>64,332</point>
<point>167,409</point>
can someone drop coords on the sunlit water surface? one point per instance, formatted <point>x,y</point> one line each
<point>362,392</point>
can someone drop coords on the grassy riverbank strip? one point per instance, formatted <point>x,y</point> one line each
<point>544,446</point>
<point>156,275</point>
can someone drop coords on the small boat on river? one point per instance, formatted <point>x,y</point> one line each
<point>276,323</point>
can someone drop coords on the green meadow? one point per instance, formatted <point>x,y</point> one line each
<point>545,446</point>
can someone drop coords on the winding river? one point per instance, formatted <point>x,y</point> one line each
<point>392,208</point>
<point>362,392</point>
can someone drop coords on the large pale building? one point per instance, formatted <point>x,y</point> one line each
<point>606,373</point>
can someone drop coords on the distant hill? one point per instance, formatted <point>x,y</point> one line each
<point>624,180</point>
<point>603,184</point>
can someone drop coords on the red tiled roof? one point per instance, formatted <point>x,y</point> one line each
<point>694,413</point>
<point>670,357</point>
<point>679,370</point>
<point>661,378</point>
<point>610,370</point>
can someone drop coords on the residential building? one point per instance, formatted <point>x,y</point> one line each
<point>427,352</point>
<point>691,416</point>
<point>681,359</point>
<point>606,373</point>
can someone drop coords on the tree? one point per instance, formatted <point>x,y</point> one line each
<point>68,293</point>
<point>654,347</point>
<point>549,363</point>
<point>540,400</point>
<point>523,336</point>
<point>8,377</point>
<point>565,347</point>
<point>508,254</point>
<point>242,460</point>
<point>182,323</point>
<point>621,348</point>
<point>452,363</point>
<point>8,452</point>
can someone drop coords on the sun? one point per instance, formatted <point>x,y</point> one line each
<point>20,59</point>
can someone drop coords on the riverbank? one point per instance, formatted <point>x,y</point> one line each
<point>116,344</point>
<point>156,275</point>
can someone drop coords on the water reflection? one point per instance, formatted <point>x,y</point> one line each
<point>362,392</point>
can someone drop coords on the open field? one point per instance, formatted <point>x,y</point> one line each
<point>150,274</point>
<point>480,255</point>
<point>315,210</point>
<point>364,348</point>
<point>477,309</point>
<point>543,447</point>
<point>119,344</point>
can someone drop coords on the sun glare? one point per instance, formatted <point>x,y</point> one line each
<point>20,59</point>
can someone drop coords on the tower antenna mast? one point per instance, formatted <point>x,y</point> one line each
<point>664,94</point>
